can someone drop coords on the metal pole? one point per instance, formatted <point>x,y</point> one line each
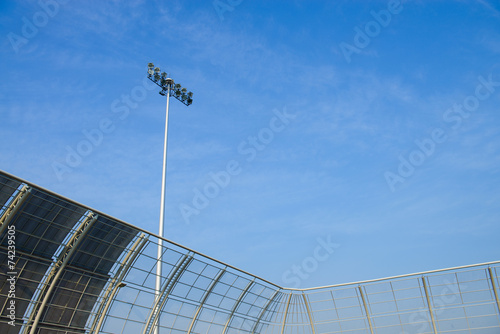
<point>162,212</point>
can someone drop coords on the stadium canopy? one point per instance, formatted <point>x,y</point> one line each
<point>77,270</point>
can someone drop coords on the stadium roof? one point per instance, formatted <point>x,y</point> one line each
<point>77,270</point>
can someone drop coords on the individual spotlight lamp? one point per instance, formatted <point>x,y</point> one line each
<point>150,69</point>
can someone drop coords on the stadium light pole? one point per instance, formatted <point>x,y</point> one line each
<point>167,86</point>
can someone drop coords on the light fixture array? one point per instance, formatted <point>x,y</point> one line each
<point>166,83</point>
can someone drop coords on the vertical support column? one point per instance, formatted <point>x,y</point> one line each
<point>306,303</point>
<point>286,313</point>
<point>366,308</point>
<point>429,305</point>
<point>494,286</point>
<point>162,211</point>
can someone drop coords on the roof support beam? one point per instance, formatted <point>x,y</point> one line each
<point>240,298</point>
<point>306,303</point>
<point>204,299</point>
<point>264,310</point>
<point>159,302</point>
<point>57,270</point>
<point>285,315</point>
<point>429,304</point>
<point>14,207</point>
<point>116,282</point>
<point>494,287</point>
<point>360,288</point>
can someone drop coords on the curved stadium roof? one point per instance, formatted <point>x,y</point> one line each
<point>76,270</point>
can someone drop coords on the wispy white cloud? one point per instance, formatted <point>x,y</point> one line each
<point>322,174</point>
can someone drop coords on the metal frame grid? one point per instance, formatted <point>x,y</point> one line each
<point>81,271</point>
<point>448,301</point>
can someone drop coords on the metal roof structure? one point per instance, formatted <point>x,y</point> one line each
<point>66,268</point>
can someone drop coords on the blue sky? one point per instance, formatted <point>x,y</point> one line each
<point>328,141</point>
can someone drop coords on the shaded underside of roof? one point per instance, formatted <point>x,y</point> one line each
<point>77,270</point>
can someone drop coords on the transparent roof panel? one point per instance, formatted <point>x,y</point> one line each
<point>82,271</point>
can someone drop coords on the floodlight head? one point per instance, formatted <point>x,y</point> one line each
<point>168,85</point>
<point>150,68</point>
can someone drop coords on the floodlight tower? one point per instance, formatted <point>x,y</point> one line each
<point>167,85</point>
